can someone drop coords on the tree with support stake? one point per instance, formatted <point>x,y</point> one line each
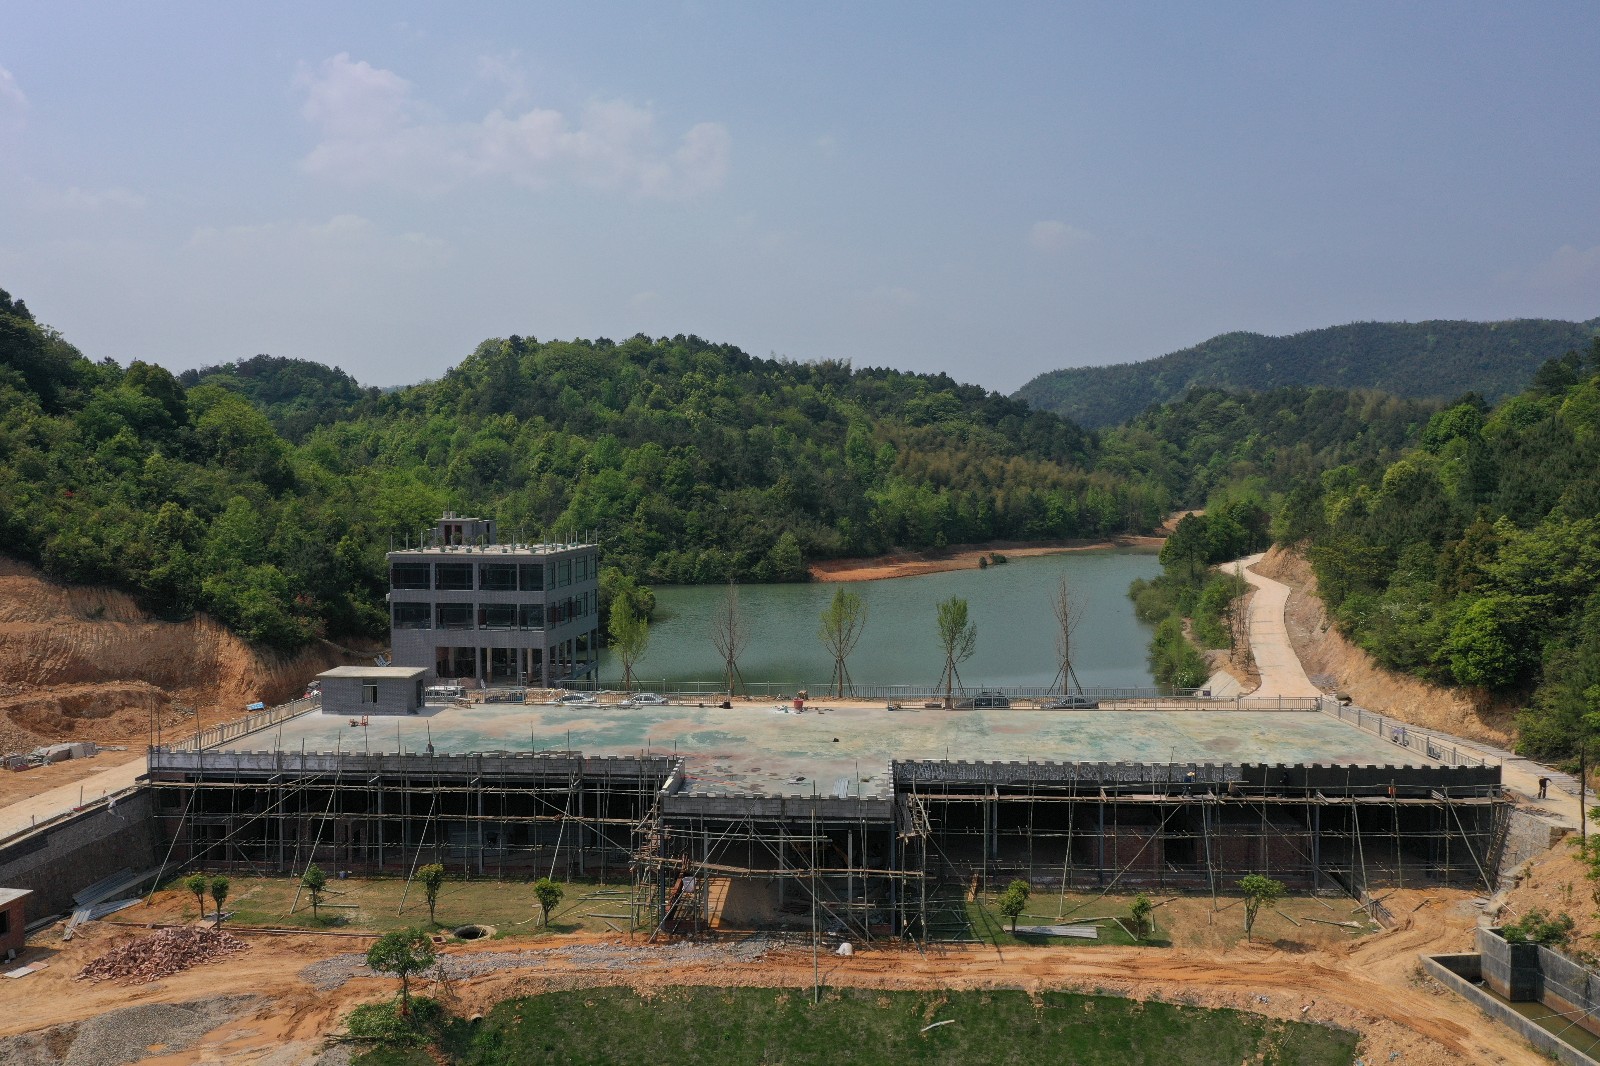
<point>198,884</point>
<point>549,894</point>
<point>431,878</point>
<point>219,896</point>
<point>729,636</point>
<point>630,636</point>
<point>315,881</point>
<point>958,639</point>
<point>1258,892</point>
<point>402,954</point>
<point>1068,609</point>
<point>842,622</point>
<point>1139,914</point>
<point>1013,900</point>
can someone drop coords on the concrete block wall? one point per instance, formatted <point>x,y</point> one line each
<point>71,855</point>
<point>1528,836</point>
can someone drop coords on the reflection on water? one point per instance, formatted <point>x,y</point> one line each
<point>1010,605</point>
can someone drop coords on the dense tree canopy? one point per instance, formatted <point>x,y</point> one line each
<point>1415,359</point>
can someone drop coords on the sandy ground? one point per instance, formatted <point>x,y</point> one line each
<point>22,813</point>
<point>964,557</point>
<point>1371,985</point>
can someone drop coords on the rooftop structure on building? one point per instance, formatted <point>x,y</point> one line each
<point>464,606</point>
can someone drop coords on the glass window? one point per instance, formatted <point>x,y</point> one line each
<point>369,693</point>
<point>413,616</point>
<point>453,577</point>
<point>566,572</point>
<point>453,616</point>
<point>409,575</point>
<point>497,616</point>
<point>497,578</point>
<point>530,616</point>
<point>532,577</point>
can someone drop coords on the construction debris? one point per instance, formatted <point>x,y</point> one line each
<point>162,954</point>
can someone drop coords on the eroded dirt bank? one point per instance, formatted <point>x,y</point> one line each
<point>961,557</point>
<point>84,663</point>
<point>1332,660</point>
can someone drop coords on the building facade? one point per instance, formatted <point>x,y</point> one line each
<point>367,690</point>
<point>468,607</point>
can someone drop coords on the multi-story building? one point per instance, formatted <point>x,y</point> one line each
<point>467,606</point>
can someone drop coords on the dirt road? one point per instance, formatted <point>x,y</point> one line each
<point>19,814</point>
<point>1370,985</point>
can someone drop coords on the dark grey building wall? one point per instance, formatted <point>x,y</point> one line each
<point>71,855</point>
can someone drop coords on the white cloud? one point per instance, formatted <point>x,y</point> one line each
<point>13,105</point>
<point>1054,236</point>
<point>1568,270</point>
<point>374,131</point>
<point>88,200</point>
<point>342,243</point>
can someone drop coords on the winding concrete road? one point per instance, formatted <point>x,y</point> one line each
<point>1280,669</point>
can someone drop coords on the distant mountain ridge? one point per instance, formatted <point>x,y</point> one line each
<point>1440,358</point>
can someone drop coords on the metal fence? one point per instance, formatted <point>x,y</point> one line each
<point>1419,741</point>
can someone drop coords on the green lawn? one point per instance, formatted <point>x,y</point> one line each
<point>865,1027</point>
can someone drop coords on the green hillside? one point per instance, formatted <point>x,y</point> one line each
<point>266,492</point>
<point>1440,359</point>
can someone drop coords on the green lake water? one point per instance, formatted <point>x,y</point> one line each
<point>1010,605</point>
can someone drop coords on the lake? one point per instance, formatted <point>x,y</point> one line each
<point>1010,604</point>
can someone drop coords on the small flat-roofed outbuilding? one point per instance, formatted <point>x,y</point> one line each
<point>13,934</point>
<point>352,690</point>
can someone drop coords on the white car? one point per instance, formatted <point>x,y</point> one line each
<point>645,699</point>
<point>570,699</point>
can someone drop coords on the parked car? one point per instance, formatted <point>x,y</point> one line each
<point>1075,701</point>
<point>568,699</point>
<point>984,699</point>
<point>645,699</point>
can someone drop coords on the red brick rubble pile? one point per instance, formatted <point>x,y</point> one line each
<point>162,955</point>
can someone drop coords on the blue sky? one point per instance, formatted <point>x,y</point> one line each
<point>988,190</point>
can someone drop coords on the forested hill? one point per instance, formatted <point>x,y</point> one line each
<point>1474,557</point>
<point>266,491</point>
<point>1441,359</point>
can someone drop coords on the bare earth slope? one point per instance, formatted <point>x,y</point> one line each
<point>1326,654</point>
<point>83,663</point>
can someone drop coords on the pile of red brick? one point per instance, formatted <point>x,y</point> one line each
<point>162,954</point>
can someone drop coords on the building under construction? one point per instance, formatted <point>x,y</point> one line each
<point>751,817</point>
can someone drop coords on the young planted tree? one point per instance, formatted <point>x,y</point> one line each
<point>630,636</point>
<point>549,894</point>
<point>842,623</point>
<point>402,953</point>
<point>198,883</point>
<point>219,896</point>
<point>1069,611</point>
<point>729,636</point>
<point>958,638</point>
<point>1139,914</point>
<point>315,881</point>
<point>1258,892</point>
<point>431,878</point>
<point>1013,900</point>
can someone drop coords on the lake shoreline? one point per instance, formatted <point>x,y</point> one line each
<point>962,557</point>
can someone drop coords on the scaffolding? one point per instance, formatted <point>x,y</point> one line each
<point>900,865</point>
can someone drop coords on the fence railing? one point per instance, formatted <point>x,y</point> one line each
<point>1420,741</point>
<point>217,734</point>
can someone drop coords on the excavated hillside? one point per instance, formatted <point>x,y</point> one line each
<point>85,663</point>
<point>1332,660</point>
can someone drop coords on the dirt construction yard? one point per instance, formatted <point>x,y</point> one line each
<point>275,1002</point>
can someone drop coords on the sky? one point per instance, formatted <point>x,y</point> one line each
<point>987,190</point>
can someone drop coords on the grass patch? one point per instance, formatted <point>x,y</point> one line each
<point>863,1026</point>
<point>374,905</point>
